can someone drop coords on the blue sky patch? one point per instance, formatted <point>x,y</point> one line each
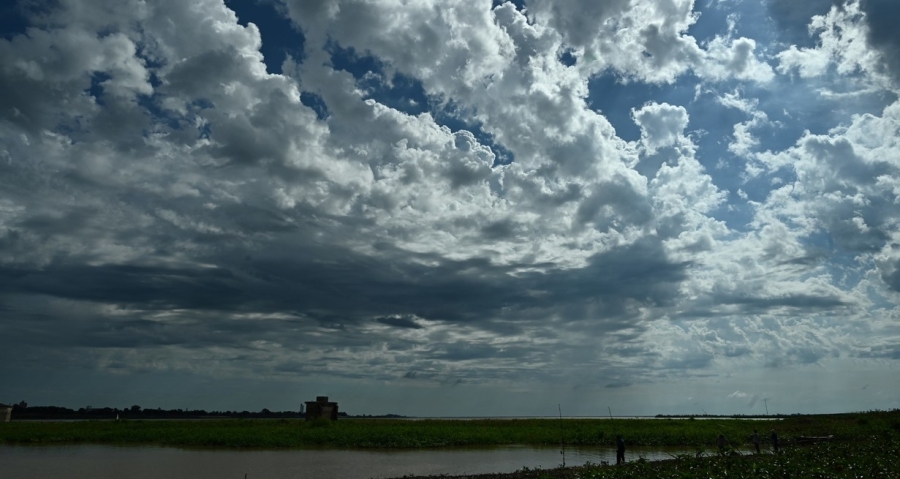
<point>567,57</point>
<point>279,37</point>
<point>407,94</point>
<point>13,20</point>
<point>316,102</point>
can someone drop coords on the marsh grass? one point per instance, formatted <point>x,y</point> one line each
<point>863,446</point>
<point>876,458</point>
<point>392,433</point>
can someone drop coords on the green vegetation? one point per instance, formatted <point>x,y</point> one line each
<point>391,433</point>
<point>873,458</point>
<point>862,445</point>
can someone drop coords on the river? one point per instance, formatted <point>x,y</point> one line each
<point>144,462</point>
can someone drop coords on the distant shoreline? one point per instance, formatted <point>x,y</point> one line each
<point>412,433</point>
<point>56,413</point>
<point>137,413</point>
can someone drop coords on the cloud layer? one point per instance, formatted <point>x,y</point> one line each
<point>444,195</point>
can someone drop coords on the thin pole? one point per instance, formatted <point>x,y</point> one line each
<point>562,439</point>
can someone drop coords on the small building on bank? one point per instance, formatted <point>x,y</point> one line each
<point>321,408</point>
<point>5,413</point>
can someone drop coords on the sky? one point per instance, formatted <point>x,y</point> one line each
<point>451,207</point>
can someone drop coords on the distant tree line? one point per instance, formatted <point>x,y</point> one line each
<point>23,411</point>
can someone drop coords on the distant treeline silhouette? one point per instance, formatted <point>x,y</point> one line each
<point>22,411</point>
<point>137,412</point>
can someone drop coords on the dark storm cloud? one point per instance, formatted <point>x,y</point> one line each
<point>891,276</point>
<point>499,230</point>
<point>45,224</point>
<point>244,217</point>
<point>34,331</point>
<point>640,271</point>
<point>193,76</point>
<point>315,289</point>
<point>884,35</point>
<point>148,287</point>
<point>32,105</point>
<point>473,291</point>
<point>755,304</point>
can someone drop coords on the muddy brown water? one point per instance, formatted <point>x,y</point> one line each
<point>112,462</point>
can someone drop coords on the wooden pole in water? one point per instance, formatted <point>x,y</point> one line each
<point>562,439</point>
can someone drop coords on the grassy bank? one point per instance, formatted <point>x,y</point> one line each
<point>388,433</point>
<point>869,458</point>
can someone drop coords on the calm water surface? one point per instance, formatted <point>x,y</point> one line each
<point>109,462</point>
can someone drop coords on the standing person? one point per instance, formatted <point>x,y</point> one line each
<point>620,450</point>
<point>720,441</point>
<point>774,441</point>
<point>755,440</point>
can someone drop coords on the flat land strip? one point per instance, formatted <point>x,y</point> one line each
<point>859,445</point>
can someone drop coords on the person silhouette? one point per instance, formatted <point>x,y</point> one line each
<point>720,441</point>
<point>774,441</point>
<point>755,440</point>
<point>620,450</point>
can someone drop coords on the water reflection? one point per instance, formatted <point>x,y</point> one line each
<point>108,462</point>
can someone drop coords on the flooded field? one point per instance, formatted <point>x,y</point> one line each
<point>112,462</point>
